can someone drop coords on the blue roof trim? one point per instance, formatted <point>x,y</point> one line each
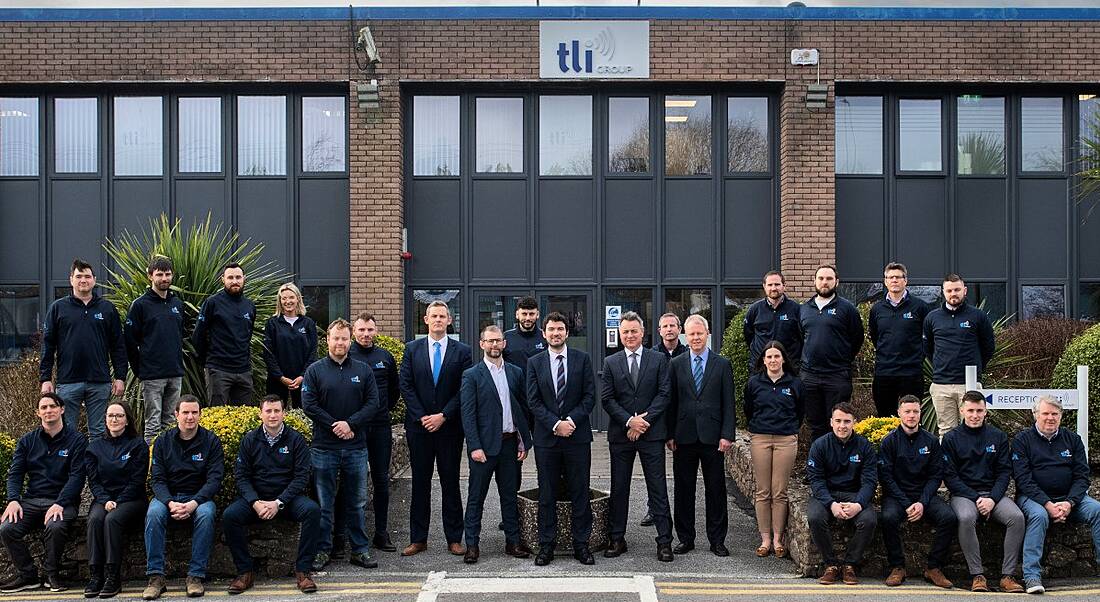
<point>562,13</point>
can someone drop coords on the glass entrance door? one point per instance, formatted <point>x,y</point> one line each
<point>577,308</point>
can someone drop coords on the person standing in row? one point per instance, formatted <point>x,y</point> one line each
<point>521,344</point>
<point>896,327</point>
<point>222,340</point>
<point>290,345</point>
<point>773,318</point>
<point>668,343</point>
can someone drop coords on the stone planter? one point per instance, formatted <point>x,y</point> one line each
<point>599,501</point>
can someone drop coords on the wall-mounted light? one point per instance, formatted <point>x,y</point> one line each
<point>368,95</point>
<point>817,95</point>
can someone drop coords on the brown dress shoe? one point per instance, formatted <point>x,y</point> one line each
<point>517,550</point>
<point>305,584</point>
<point>937,578</point>
<point>472,554</point>
<point>897,576</point>
<point>832,574</point>
<point>195,587</point>
<point>456,548</point>
<point>979,584</point>
<point>413,549</point>
<point>850,575</point>
<point>1009,585</point>
<point>242,583</point>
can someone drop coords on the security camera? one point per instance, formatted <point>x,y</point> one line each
<point>365,42</point>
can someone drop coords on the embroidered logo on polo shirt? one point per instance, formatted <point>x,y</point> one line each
<point>785,390</point>
<point>540,346</point>
<point>1066,454</point>
<point>784,318</point>
<point>355,379</point>
<point>810,462</point>
<point>302,330</point>
<point>175,310</point>
<point>853,458</point>
<point>965,324</point>
<point>98,316</point>
<point>1015,456</point>
<point>124,457</point>
<point>197,457</point>
<point>923,451</point>
<point>992,449</point>
<point>831,312</point>
<point>246,316</point>
<point>380,365</point>
<point>62,453</point>
<point>907,315</point>
<point>284,449</point>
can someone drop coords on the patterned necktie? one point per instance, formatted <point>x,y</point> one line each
<point>437,360</point>
<point>634,369</point>
<point>560,382</point>
<point>697,373</point>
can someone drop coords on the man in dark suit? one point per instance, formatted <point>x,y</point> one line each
<point>634,393</point>
<point>497,439</point>
<point>430,378</point>
<point>701,425</point>
<point>561,393</point>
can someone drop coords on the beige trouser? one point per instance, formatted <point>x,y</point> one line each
<point>772,461</point>
<point>947,399</point>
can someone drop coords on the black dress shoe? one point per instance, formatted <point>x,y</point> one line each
<point>583,555</point>
<point>382,542</point>
<point>517,550</point>
<point>545,555</point>
<point>664,552</point>
<point>720,549</point>
<point>683,548</point>
<point>471,555</point>
<point>615,549</point>
<point>647,520</point>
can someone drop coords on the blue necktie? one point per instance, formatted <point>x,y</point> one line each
<point>697,373</point>
<point>437,361</point>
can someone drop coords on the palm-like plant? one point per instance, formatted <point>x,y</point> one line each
<point>197,255</point>
<point>1088,161</point>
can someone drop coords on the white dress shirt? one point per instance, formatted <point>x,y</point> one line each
<point>500,379</point>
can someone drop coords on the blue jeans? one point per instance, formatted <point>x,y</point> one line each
<point>1088,511</point>
<point>202,538</point>
<point>94,396</point>
<point>350,465</point>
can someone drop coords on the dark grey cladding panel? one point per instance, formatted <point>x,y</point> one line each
<point>263,216</point>
<point>920,227</point>
<point>19,233</point>
<point>748,228</point>
<point>629,230</point>
<point>1088,228</point>
<point>134,203</point>
<point>689,233</point>
<point>566,230</point>
<point>323,229</point>
<point>860,228</point>
<point>435,230</point>
<point>195,199</point>
<point>76,225</point>
<point>981,237</point>
<point>1043,232</point>
<point>499,238</point>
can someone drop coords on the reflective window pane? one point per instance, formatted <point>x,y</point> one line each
<point>1088,304</point>
<point>981,135</point>
<point>76,135</point>
<point>930,293</point>
<point>139,136</point>
<point>1041,138</point>
<point>739,299</point>
<point>628,135</point>
<point>1042,301</point>
<point>990,296</point>
<point>861,292</point>
<point>324,304</point>
<point>435,135</point>
<point>565,135</point>
<point>575,310</point>
<point>1089,131</point>
<point>859,134</point>
<point>686,301</point>
<point>920,144</point>
<point>200,135</point>
<point>499,136</point>
<point>687,136</point>
<point>261,135</point>
<point>18,137</point>
<point>640,301</point>
<point>19,321</point>
<point>747,134</point>
<point>323,133</point>
<point>421,299</point>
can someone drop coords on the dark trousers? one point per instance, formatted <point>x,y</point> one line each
<point>503,466</point>
<point>226,388</point>
<point>107,530</point>
<point>686,461</point>
<point>427,453</point>
<point>379,452</point>
<point>300,509</point>
<point>821,519</point>
<point>293,398</point>
<point>937,512</point>
<point>822,393</point>
<point>887,390</point>
<point>53,536</point>
<point>568,462</point>
<point>652,455</point>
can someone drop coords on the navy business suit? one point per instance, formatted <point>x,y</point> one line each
<point>567,458</point>
<point>483,421</point>
<point>622,399</point>
<point>442,448</point>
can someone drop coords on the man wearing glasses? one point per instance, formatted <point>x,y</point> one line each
<point>896,327</point>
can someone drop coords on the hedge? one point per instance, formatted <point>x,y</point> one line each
<point>1084,350</point>
<point>736,350</point>
<point>7,449</point>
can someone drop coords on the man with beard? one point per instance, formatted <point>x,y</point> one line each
<point>832,336</point>
<point>521,343</point>
<point>154,344</point>
<point>773,318</point>
<point>956,335</point>
<point>223,334</point>
<point>895,327</point>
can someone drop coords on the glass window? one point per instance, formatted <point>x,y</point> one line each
<point>686,301</point>
<point>990,296</point>
<point>861,292</point>
<point>565,135</point>
<point>638,300</point>
<point>858,135</point>
<point>139,136</point>
<point>324,304</point>
<point>1088,306</point>
<point>76,135</point>
<point>1042,301</point>
<point>687,136</point>
<point>18,136</point>
<point>499,136</point>
<point>435,135</point>
<point>1089,131</point>
<point>261,135</point>
<point>981,143</point>
<point>919,140</point>
<point>323,145</point>
<point>19,321</point>
<point>575,310</point>
<point>200,135</point>
<point>628,135</point>
<point>747,134</point>
<point>929,293</point>
<point>1041,121</point>
<point>739,299</point>
<point>421,299</point>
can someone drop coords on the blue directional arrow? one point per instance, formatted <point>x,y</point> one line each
<point>989,399</point>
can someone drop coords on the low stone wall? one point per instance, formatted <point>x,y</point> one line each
<point>1068,551</point>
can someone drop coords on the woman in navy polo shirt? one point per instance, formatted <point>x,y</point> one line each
<point>290,345</point>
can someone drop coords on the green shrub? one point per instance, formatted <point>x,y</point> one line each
<point>7,448</point>
<point>1085,351</point>
<point>19,389</point>
<point>397,348</point>
<point>736,350</point>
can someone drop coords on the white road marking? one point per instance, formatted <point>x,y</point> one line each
<point>437,583</point>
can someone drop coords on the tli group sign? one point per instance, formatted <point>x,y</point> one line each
<point>594,49</point>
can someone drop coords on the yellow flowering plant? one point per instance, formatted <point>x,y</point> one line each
<point>7,450</point>
<point>875,428</point>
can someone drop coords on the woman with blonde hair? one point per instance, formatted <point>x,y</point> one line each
<point>290,345</point>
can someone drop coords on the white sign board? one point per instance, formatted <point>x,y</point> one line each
<point>594,49</point>
<point>1024,399</point>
